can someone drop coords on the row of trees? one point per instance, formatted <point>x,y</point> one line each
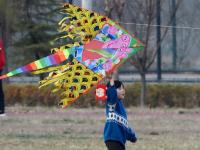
<point>28,25</point>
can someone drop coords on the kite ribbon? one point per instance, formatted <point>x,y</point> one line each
<point>47,61</point>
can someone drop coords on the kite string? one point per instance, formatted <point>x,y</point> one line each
<point>162,26</point>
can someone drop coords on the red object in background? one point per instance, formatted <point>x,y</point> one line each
<point>2,55</point>
<point>101,92</point>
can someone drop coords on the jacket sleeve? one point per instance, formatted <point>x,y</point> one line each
<point>112,95</point>
<point>131,136</point>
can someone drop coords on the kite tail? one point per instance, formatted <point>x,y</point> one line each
<point>42,63</point>
<point>3,77</point>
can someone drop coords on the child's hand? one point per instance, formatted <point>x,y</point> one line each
<point>110,78</point>
<point>134,140</point>
<point>112,81</point>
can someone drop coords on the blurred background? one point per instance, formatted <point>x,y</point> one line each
<point>162,80</point>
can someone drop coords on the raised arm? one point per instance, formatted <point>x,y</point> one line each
<point>111,91</point>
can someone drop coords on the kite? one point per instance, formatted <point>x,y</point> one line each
<point>96,46</point>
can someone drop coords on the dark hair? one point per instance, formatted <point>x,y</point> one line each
<point>117,84</point>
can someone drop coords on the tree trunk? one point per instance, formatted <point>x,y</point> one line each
<point>87,4</point>
<point>143,90</point>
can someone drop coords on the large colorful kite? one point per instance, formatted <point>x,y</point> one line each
<point>97,47</point>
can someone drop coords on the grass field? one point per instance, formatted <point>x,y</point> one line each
<point>38,128</point>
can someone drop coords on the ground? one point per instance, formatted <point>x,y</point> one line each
<point>38,128</point>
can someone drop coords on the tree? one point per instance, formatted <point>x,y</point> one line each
<point>2,17</point>
<point>37,26</point>
<point>145,11</point>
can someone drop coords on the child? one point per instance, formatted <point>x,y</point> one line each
<point>116,130</point>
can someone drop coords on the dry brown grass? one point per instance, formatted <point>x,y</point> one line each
<point>37,128</point>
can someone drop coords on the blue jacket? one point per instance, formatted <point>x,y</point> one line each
<point>116,127</point>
